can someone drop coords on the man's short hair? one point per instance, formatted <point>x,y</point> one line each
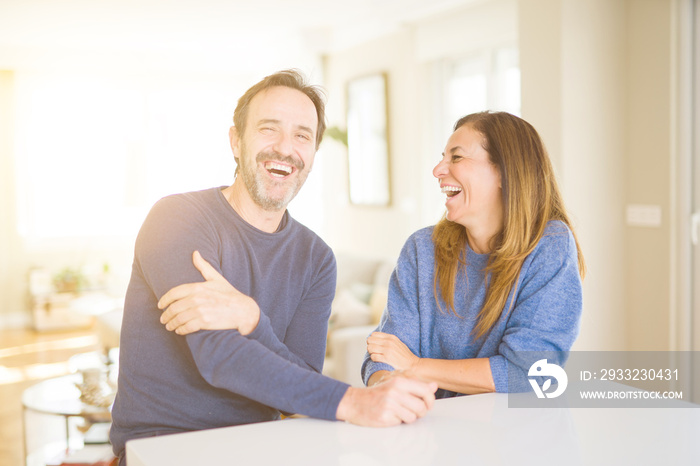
<point>286,78</point>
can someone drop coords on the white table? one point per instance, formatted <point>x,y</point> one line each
<point>472,430</point>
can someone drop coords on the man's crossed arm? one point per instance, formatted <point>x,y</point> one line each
<point>215,304</point>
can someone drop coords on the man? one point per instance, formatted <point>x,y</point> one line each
<point>248,341</point>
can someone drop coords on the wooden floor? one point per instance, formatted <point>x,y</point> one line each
<point>27,357</point>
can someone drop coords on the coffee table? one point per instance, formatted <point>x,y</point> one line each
<point>60,397</point>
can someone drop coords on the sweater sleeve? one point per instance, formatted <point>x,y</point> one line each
<point>400,317</point>
<point>308,329</point>
<point>225,358</point>
<point>544,321</point>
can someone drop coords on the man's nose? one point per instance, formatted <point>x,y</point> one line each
<point>284,144</point>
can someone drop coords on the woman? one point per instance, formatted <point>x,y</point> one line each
<point>497,277</point>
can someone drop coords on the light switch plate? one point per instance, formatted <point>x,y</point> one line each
<point>639,215</point>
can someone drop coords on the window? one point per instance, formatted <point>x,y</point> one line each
<point>94,153</point>
<point>488,80</point>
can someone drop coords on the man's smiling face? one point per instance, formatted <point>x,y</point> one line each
<point>276,150</point>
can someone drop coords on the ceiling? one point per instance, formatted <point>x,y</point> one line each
<point>230,35</point>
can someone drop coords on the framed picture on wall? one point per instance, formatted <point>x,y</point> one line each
<point>368,141</point>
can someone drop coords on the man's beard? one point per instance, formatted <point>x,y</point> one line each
<point>257,182</point>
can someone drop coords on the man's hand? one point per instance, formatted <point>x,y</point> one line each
<point>389,403</point>
<point>389,349</point>
<point>213,304</point>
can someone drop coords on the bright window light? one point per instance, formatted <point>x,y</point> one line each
<point>95,153</point>
<point>488,80</point>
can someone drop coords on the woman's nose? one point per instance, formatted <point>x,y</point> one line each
<point>440,169</point>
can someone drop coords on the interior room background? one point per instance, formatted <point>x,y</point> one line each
<point>91,137</point>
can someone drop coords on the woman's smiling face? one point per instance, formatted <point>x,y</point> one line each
<point>471,182</point>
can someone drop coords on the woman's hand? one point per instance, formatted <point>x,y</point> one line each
<point>213,304</point>
<point>458,375</point>
<point>387,348</point>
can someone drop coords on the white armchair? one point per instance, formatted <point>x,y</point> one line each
<point>346,349</point>
<point>360,299</point>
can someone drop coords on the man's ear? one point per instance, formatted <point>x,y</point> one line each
<point>235,140</point>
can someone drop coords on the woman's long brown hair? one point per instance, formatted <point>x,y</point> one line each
<point>531,198</point>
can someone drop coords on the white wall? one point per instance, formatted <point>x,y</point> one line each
<point>598,84</point>
<point>573,67</point>
<point>650,161</point>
